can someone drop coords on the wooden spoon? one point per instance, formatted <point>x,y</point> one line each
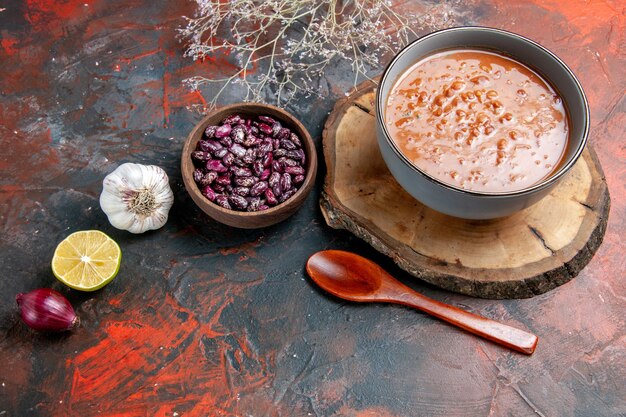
<point>352,277</point>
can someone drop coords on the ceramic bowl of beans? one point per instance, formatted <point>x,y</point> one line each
<point>479,123</point>
<point>249,165</point>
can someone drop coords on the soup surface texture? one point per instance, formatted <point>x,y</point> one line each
<point>478,121</point>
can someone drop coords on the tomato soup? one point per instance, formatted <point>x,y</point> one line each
<point>478,121</point>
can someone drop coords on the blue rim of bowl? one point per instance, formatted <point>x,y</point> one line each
<point>540,185</point>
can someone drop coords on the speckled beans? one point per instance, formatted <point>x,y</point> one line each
<point>247,164</point>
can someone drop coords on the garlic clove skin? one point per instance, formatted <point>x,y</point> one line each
<point>136,197</point>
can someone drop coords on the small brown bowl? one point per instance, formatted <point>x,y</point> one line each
<point>250,220</point>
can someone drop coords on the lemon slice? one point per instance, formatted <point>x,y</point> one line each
<point>86,260</point>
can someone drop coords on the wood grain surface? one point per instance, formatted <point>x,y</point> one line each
<point>518,256</point>
<point>207,320</point>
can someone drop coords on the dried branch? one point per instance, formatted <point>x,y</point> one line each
<point>281,48</point>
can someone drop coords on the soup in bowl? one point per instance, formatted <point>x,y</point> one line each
<point>479,123</point>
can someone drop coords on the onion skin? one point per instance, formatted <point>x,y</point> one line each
<point>45,309</point>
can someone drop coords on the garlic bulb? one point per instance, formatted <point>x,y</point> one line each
<point>136,197</point>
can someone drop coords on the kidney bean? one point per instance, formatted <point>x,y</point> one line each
<point>242,191</point>
<point>203,146</point>
<point>241,172</point>
<point>249,157</point>
<point>276,128</point>
<point>254,130</point>
<point>223,180</point>
<point>211,145</point>
<point>200,157</point>
<point>280,152</point>
<point>245,181</point>
<point>238,201</point>
<point>288,162</point>
<point>218,188</point>
<point>228,159</point>
<point>222,201</point>
<point>197,175</point>
<point>295,170</point>
<point>233,119</point>
<point>287,195</point>
<point>302,156</point>
<point>274,179</point>
<point>202,180</point>
<point>208,178</point>
<point>285,182</point>
<point>298,179</point>
<point>258,167</point>
<point>251,140</point>
<point>267,120</point>
<point>287,144</point>
<point>270,197</point>
<point>216,165</point>
<point>277,167</point>
<point>263,207</point>
<point>283,134</point>
<point>209,132</point>
<point>226,142</point>
<point>223,131</point>
<point>267,159</point>
<point>258,188</point>
<point>266,146</point>
<point>209,193</point>
<point>237,150</point>
<point>238,134</point>
<point>294,155</point>
<point>239,140</point>
<point>296,140</point>
<point>253,203</point>
<point>220,153</point>
<point>239,162</point>
<point>276,144</point>
<point>265,128</point>
<point>265,174</point>
<point>277,189</point>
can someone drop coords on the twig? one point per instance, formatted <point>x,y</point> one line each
<point>285,46</point>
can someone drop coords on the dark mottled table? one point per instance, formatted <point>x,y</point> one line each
<point>206,320</point>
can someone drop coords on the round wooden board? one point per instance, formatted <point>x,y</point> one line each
<point>528,253</point>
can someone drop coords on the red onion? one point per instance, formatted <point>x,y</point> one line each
<point>46,309</point>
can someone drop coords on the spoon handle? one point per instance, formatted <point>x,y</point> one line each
<point>500,333</point>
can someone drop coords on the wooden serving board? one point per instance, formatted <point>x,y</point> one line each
<point>528,253</point>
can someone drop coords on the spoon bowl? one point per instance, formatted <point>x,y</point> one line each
<point>337,273</point>
<point>354,278</point>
